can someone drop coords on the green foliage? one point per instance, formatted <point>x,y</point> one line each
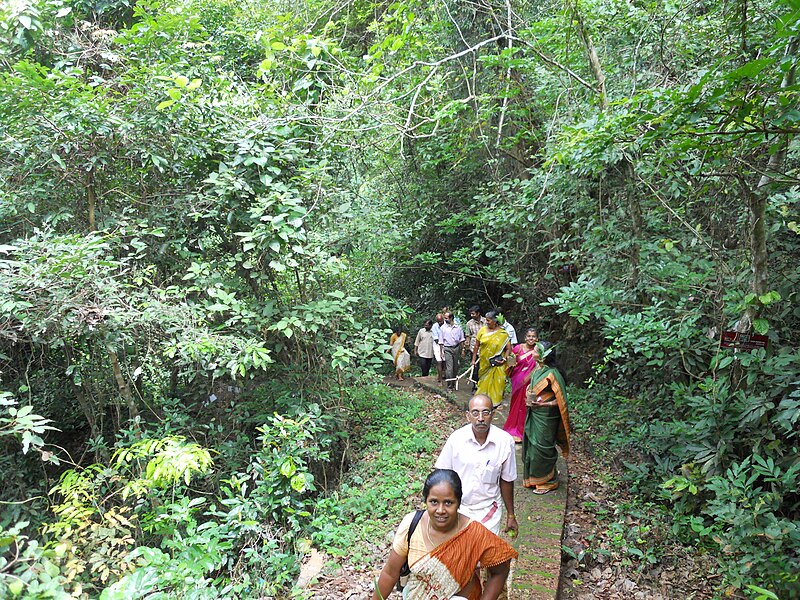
<point>634,536</point>
<point>169,461</point>
<point>381,489</point>
<point>24,426</point>
<point>137,526</point>
<point>725,456</point>
<point>28,570</point>
<point>210,211</point>
<point>26,565</point>
<point>740,507</point>
<point>750,509</point>
<point>268,512</point>
<point>187,539</point>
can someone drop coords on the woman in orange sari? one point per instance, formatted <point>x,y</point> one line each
<point>444,549</point>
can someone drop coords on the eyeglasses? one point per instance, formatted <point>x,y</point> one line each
<point>481,413</point>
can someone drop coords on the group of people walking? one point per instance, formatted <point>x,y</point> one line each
<point>443,342</point>
<point>440,548</point>
<point>439,342</point>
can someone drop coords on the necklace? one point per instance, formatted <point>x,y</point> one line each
<point>430,532</point>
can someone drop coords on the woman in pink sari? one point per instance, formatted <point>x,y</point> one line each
<point>527,360</point>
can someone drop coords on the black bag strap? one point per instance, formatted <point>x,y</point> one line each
<point>413,526</point>
<point>405,569</point>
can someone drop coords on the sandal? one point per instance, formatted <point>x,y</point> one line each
<point>542,491</point>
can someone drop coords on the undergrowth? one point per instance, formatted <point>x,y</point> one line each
<point>385,477</point>
<point>741,513</point>
<point>164,536</point>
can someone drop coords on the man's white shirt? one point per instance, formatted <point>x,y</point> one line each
<point>480,467</point>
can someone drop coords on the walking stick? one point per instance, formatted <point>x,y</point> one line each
<point>457,378</point>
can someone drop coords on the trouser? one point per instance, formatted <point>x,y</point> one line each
<point>451,364</point>
<point>425,365</point>
<point>476,369</point>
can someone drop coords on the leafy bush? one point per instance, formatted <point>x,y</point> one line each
<point>385,479</point>
<point>752,516</point>
<point>137,527</point>
<point>725,456</point>
<point>27,568</point>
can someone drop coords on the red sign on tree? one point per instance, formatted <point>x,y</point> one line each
<point>743,341</point>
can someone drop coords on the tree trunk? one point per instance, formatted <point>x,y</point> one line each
<point>504,106</point>
<point>84,399</point>
<point>122,384</point>
<point>635,213</point>
<point>626,167</point>
<point>86,407</point>
<point>91,200</point>
<point>743,30</point>
<point>757,204</point>
<point>591,55</point>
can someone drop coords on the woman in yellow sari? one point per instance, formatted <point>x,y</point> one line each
<point>402,359</point>
<point>492,346</point>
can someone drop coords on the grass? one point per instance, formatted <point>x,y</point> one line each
<point>384,481</point>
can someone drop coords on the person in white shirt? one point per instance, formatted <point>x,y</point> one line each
<point>438,355</point>
<point>423,347</point>
<point>512,333</point>
<point>484,458</point>
<point>451,339</point>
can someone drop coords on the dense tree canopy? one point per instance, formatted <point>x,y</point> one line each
<point>210,211</point>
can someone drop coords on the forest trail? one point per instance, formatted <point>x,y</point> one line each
<point>573,516</point>
<point>536,574</point>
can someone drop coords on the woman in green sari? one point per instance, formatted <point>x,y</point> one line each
<point>492,344</point>
<point>546,424</point>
